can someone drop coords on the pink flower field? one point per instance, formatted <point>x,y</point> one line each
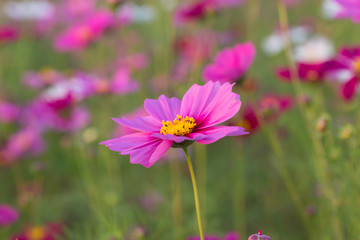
<point>179,120</point>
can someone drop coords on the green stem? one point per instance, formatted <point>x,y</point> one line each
<point>196,195</point>
<point>320,157</point>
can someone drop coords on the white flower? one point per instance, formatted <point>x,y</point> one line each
<point>275,43</point>
<point>316,49</point>
<point>330,8</point>
<point>28,10</point>
<point>135,13</point>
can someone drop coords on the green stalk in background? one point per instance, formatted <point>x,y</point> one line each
<point>196,194</point>
<point>320,161</point>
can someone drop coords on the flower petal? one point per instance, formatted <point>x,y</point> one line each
<point>348,90</point>
<point>142,147</point>
<point>147,124</point>
<point>164,108</point>
<point>178,139</point>
<point>210,104</point>
<point>212,134</point>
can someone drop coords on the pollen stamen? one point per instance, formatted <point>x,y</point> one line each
<point>179,127</point>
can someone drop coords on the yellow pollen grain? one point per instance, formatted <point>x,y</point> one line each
<point>179,127</point>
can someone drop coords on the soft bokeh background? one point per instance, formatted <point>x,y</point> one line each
<point>93,193</point>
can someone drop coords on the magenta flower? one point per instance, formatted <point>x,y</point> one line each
<point>249,120</point>
<point>8,215</point>
<point>178,123</point>
<point>80,35</point>
<point>198,9</point>
<point>190,11</point>
<point>347,63</point>
<point>50,231</point>
<point>8,34</point>
<point>308,73</point>
<point>259,236</point>
<point>231,63</point>
<point>349,9</point>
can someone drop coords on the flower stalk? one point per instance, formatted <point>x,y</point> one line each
<point>196,194</point>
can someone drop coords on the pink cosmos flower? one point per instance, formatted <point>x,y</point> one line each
<point>8,112</point>
<point>25,141</point>
<point>231,63</point>
<point>177,123</point>
<point>259,236</point>
<point>349,9</point>
<point>58,108</point>
<point>347,64</point>
<point>229,236</point>
<point>80,35</point>
<point>8,215</point>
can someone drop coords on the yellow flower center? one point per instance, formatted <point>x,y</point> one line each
<point>179,127</point>
<point>36,233</point>
<point>357,65</point>
<point>312,75</point>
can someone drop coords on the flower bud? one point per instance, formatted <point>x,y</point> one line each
<point>322,123</point>
<point>259,236</point>
<point>346,132</point>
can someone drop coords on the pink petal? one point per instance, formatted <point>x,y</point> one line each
<point>178,139</point>
<point>348,90</point>
<point>147,124</point>
<point>142,148</point>
<point>210,104</point>
<point>164,108</point>
<point>212,134</point>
